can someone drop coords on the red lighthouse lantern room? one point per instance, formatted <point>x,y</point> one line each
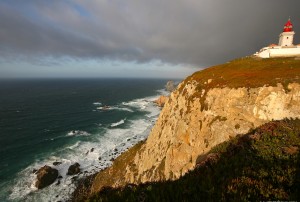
<point>288,27</point>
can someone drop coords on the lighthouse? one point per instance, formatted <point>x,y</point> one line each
<point>287,36</point>
<point>285,47</point>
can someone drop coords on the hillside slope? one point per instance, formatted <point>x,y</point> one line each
<point>209,107</point>
<point>261,165</point>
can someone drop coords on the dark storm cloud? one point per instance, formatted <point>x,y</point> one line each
<point>200,33</point>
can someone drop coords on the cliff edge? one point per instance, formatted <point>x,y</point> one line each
<point>262,165</point>
<point>207,108</point>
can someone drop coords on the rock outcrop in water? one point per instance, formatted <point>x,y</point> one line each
<point>208,108</point>
<point>170,86</point>
<point>45,176</point>
<point>74,169</point>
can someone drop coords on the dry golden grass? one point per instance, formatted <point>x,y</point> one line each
<point>250,72</point>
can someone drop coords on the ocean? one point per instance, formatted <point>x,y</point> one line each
<point>43,121</point>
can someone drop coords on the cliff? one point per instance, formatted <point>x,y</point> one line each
<point>208,108</point>
<point>263,165</point>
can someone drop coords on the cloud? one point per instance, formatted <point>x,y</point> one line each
<point>191,32</point>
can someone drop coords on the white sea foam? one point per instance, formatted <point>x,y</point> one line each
<point>92,156</point>
<point>78,133</point>
<point>163,92</point>
<point>123,109</point>
<point>120,108</point>
<point>118,123</point>
<point>97,103</point>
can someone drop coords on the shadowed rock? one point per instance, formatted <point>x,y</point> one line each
<point>56,163</point>
<point>74,169</point>
<point>45,176</point>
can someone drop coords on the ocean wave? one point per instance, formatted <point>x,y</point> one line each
<point>97,103</point>
<point>92,155</point>
<point>118,123</point>
<point>163,92</point>
<point>74,145</point>
<point>78,133</point>
<point>138,103</point>
<point>123,109</point>
<point>108,108</point>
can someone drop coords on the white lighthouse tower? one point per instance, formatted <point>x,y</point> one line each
<point>285,47</point>
<point>287,36</point>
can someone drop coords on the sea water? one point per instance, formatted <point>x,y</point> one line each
<point>89,121</point>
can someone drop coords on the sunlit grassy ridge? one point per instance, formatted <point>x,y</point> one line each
<point>249,72</point>
<point>261,165</point>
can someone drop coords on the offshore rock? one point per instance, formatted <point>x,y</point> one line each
<point>74,169</point>
<point>170,86</point>
<point>46,176</point>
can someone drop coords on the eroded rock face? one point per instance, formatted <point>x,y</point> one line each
<point>74,169</point>
<point>45,176</point>
<point>161,100</point>
<point>195,120</point>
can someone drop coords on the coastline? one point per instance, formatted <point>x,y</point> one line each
<point>92,150</point>
<point>84,185</point>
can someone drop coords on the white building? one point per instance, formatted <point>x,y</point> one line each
<point>285,47</point>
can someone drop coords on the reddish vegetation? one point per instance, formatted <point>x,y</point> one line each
<point>249,72</point>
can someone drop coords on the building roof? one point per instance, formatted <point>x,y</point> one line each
<point>272,45</point>
<point>288,27</point>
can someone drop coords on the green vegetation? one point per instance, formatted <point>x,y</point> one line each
<point>261,165</point>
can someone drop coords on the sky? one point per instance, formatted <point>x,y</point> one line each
<point>134,38</point>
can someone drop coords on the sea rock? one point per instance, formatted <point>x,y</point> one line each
<point>74,169</point>
<point>161,100</point>
<point>46,176</point>
<point>92,149</point>
<point>56,163</point>
<point>170,86</point>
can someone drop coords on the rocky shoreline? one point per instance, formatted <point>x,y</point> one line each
<point>84,185</point>
<point>83,188</point>
<point>210,107</point>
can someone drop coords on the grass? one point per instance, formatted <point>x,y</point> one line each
<point>261,165</point>
<point>246,72</point>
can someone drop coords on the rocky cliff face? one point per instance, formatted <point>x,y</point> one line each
<point>184,132</point>
<point>209,108</point>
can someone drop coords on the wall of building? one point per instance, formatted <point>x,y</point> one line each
<point>285,52</point>
<point>286,38</point>
<point>278,51</point>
